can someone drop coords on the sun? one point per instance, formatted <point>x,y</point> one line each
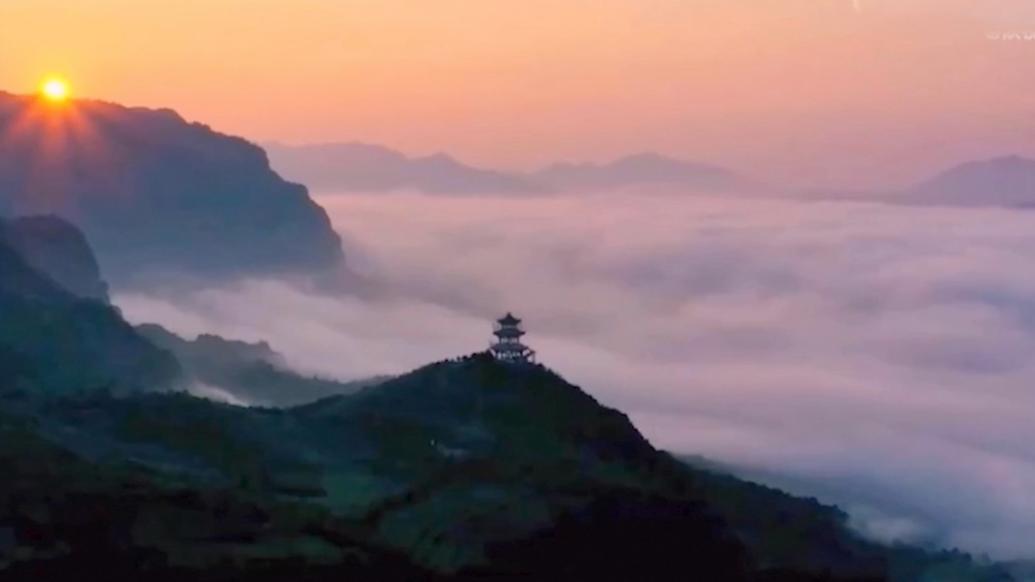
<point>55,89</point>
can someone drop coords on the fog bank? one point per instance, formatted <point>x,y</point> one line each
<point>878,355</point>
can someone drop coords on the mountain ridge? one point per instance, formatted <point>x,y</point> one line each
<point>54,340</point>
<point>360,167</point>
<point>646,168</point>
<point>1007,181</point>
<point>1004,181</point>
<point>57,249</point>
<point>243,373</point>
<point>154,192</point>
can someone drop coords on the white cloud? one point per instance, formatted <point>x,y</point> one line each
<point>883,349</point>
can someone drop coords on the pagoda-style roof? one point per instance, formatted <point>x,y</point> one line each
<point>507,331</point>
<point>509,319</point>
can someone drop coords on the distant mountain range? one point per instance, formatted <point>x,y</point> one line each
<point>1003,182</point>
<point>356,167</point>
<point>353,167</point>
<point>154,192</point>
<point>342,168</point>
<point>1006,181</point>
<point>640,170</point>
<point>469,469</point>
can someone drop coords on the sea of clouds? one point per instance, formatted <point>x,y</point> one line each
<point>880,357</point>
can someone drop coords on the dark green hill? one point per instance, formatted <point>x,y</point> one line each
<point>538,478</point>
<point>63,518</point>
<point>471,469</point>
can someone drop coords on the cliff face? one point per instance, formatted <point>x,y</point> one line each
<point>55,342</point>
<point>153,192</point>
<point>58,250</point>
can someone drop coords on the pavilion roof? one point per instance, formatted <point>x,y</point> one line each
<point>509,319</point>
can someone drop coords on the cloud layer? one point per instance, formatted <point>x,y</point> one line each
<point>877,356</point>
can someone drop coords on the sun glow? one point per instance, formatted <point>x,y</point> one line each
<point>55,89</point>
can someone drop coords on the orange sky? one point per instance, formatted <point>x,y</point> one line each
<point>807,91</point>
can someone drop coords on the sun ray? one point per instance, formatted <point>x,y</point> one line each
<point>52,140</point>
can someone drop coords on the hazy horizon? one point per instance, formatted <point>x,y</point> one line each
<point>812,93</point>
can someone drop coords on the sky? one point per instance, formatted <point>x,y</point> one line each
<point>811,93</point>
<point>875,356</point>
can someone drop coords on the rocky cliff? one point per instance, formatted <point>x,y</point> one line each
<point>153,192</point>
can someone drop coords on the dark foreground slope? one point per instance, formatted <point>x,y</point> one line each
<point>64,518</point>
<point>542,482</point>
<point>464,470</point>
<point>154,192</point>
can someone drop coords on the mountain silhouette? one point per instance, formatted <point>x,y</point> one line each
<point>247,373</point>
<point>1003,182</point>
<point>58,250</point>
<point>639,170</point>
<point>54,341</point>
<point>154,192</point>
<point>1006,181</point>
<point>356,167</point>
